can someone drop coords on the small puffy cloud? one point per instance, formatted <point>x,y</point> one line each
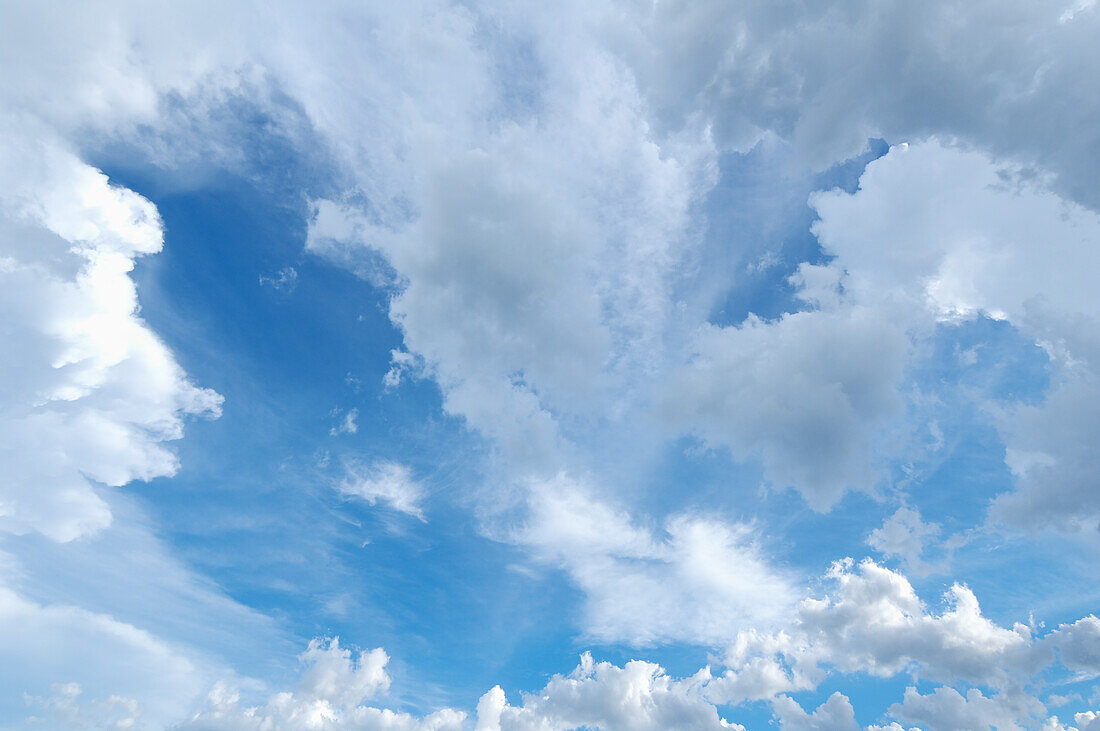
<point>835,714</point>
<point>402,365</point>
<point>284,280</point>
<point>385,482</point>
<point>1087,721</point>
<point>348,425</point>
<point>905,536</point>
<point>696,579</point>
<point>334,675</point>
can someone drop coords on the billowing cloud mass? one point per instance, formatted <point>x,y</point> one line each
<point>566,239</point>
<point>639,695</point>
<point>970,236</point>
<point>869,621</point>
<point>875,623</point>
<point>89,393</point>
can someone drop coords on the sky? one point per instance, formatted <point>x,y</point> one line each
<point>511,365</point>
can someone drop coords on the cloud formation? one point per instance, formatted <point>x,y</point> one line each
<point>90,394</point>
<point>538,238</point>
<point>693,579</point>
<point>384,482</point>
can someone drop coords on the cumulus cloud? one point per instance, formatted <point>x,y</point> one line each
<point>947,709</point>
<point>89,393</point>
<point>835,714</point>
<point>639,695</point>
<point>1087,720</point>
<point>331,693</point>
<point>873,621</point>
<point>335,687</point>
<point>1079,645</point>
<point>384,482</point>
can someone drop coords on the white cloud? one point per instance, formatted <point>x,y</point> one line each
<point>331,694</point>
<point>968,235</point>
<point>89,393</point>
<point>385,482</point>
<point>1079,645</point>
<point>1087,720</point>
<point>949,710</point>
<point>806,393</point>
<point>694,579</point>
<point>639,695</point>
<point>874,622</point>
<point>904,535</point>
<point>835,714</point>
<point>336,686</point>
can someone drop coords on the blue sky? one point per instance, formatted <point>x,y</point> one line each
<point>463,365</point>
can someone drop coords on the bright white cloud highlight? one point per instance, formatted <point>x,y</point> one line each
<point>694,579</point>
<point>873,621</point>
<point>89,393</point>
